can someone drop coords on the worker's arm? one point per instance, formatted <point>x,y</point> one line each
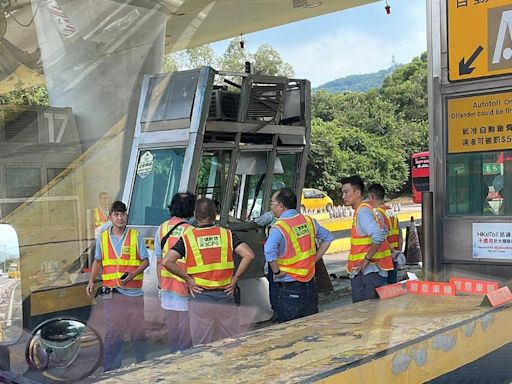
<point>158,276</point>
<point>271,251</point>
<point>322,248</point>
<point>95,270</point>
<point>368,225</point>
<point>400,239</point>
<point>140,269</point>
<point>144,257</point>
<point>247,255</point>
<point>374,247</point>
<point>157,251</point>
<point>170,263</point>
<point>325,237</point>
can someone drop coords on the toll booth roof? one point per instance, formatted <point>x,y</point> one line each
<point>403,339</point>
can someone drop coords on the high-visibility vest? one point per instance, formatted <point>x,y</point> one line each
<point>169,281</point>
<point>209,256</point>
<point>391,222</point>
<point>298,260</point>
<point>128,261</point>
<point>99,217</point>
<point>360,244</point>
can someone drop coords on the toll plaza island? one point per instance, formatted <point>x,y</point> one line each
<point>119,128</point>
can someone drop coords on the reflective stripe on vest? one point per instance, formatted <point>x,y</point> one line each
<point>99,217</point>
<point>360,245</point>
<point>298,259</point>
<point>169,281</point>
<point>209,256</point>
<point>392,224</point>
<point>114,266</point>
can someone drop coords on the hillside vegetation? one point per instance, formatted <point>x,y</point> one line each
<point>372,134</point>
<point>357,83</point>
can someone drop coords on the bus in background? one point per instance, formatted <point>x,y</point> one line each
<point>419,175</point>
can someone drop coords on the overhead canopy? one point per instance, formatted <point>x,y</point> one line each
<point>190,23</point>
<point>197,22</point>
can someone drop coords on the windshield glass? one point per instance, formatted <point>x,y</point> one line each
<point>157,180</point>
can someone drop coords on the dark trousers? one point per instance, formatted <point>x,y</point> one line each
<point>178,330</point>
<point>213,316</point>
<point>363,286</point>
<point>296,299</point>
<point>123,315</point>
<point>392,277</point>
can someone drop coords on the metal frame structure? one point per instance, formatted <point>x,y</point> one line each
<point>272,118</point>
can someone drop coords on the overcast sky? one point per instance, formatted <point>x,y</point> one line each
<point>8,243</point>
<point>355,41</point>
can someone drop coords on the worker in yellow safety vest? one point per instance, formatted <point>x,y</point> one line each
<point>376,194</point>
<point>210,274</point>
<point>123,257</point>
<point>101,211</point>
<point>291,251</point>
<point>173,289</point>
<point>370,254</point>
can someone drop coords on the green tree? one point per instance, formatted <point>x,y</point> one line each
<point>325,156</point>
<point>375,132</point>
<point>189,58</point>
<point>339,150</point>
<point>36,95</point>
<point>406,88</point>
<point>234,57</point>
<point>267,61</point>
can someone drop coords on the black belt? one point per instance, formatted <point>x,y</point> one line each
<point>293,283</point>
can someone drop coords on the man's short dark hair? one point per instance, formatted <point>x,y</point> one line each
<point>182,205</point>
<point>205,209</point>
<point>118,206</point>
<point>287,197</point>
<point>377,190</point>
<point>355,181</point>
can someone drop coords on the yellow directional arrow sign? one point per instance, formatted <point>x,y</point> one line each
<point>479,38</point>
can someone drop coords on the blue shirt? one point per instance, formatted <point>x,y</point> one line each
<point>118,244</point>
<point>367,226</point>
<point>275,244</point>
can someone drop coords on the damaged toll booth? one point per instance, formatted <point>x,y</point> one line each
<point>468,223</point>
<point>232,137</point>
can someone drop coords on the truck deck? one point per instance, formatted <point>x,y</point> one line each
<point>408,339</point>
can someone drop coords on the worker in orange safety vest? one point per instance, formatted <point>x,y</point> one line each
<point>376,194</point>
<point>210,274</point>
<point>291,251</point>
<point>370,254</point>
<point>173,289</point>
<point>101,211</point>
<point>123,257</point>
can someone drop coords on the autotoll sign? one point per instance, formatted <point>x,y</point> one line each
<point>480,123</point>
<point>479,38</point>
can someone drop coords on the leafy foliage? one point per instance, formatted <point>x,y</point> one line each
<point>37,95</point>
<point>371,134</point>
<point>406,88</point>
<point>265,60</point>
